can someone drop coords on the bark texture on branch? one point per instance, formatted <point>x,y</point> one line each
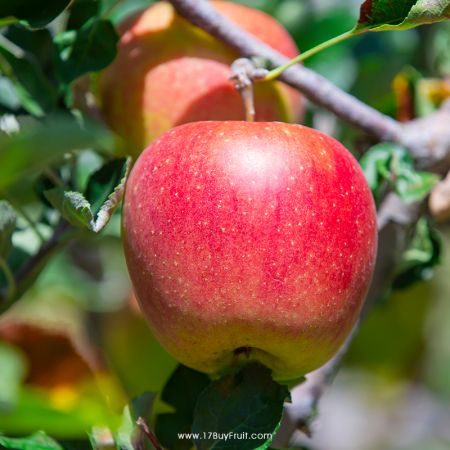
<point>423,137</point>
<point>315,87</point>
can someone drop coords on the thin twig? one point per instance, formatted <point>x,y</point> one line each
<point>142,424</point>
<point>10,281</point>
<point>26,275</point>
<point>21,210</point>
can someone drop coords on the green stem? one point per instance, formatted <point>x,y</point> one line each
<point>275,73</point>
<point>31,223</point>
<point>31,269</point>
<point>11,47</point>
<point>10,280</point>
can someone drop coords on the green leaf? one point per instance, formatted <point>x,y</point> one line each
<point>37,441</point>
<point>16,259</point>
<point>106,187</point>
<point>119,11</point>
<point>38,144</point>
<point>35,13</point>
<point>408,183</point>
<point>13,371</point>
<point>237,406</point>
<point>72,205</point>
<point>375,164</point>
<point>418,96</point>
<point>9,99</point>
<point>92,49</point>
<point>371,161</point>
<point>413,186</point>
<point>36,94</point>
<point>181,392</point>
<point>8,218</point>
<point>392,164</point>
<point>423,254</point>
<point>104,181</point>
<point>139,407</point>
<point>38,44</point>
<point>379,15</point>
<point>82,11</point>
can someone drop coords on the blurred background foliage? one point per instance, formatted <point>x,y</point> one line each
<point>75,349</point>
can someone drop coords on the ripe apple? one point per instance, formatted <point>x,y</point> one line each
<point>249,241</point>
<point>168,72</point>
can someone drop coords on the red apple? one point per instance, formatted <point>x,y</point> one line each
<point>249,241</point>
<point>168,72</point>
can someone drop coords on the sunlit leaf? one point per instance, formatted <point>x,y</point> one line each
<point>423,254</point>
<point>37,441</point>
<point>92,48</point>
<point>38,144</point>
<point>392,164</point>
<point>73,206</point>
<point>104,181</point>
<point>9,98</point>
<point>379,15</point>
<point>417,96</point>
<point>413,186</point>
<point>36,93</point>
<point>106,187</point>
<point>13,371</point>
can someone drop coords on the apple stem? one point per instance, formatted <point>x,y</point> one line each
<point>243,72</point>
<point>249,103</point>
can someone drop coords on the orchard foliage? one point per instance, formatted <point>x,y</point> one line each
<point>62,177</point>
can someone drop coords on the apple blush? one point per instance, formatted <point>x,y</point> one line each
<point>249,242</point>
<point>168,72</point>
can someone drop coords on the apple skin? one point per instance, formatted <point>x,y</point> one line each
<point>168,72</point>
<point>251,241</point>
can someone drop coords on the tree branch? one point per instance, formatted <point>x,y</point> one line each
<point>439,201</point>
<point>315,87</point>
<point>428,139</point>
